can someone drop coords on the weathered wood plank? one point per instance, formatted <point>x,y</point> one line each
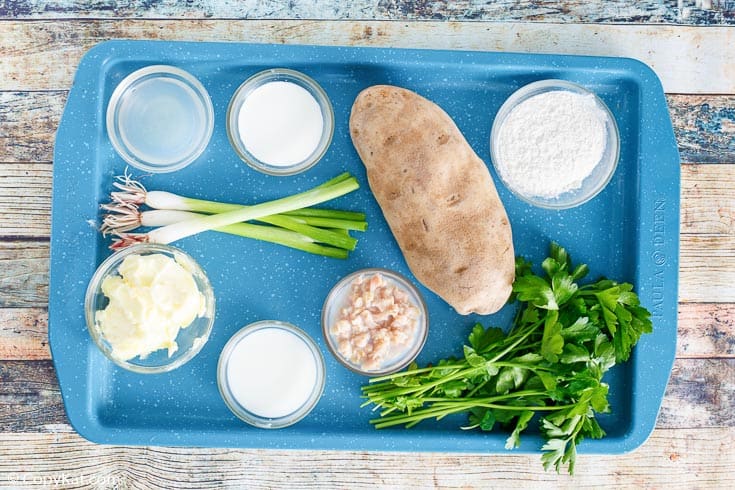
<point>53,48</point>
<point>27,133</point>
<point>24,334</point>
<point>691,12</point>
<point>707,258</point>
<point>708,199</point>
<point>707,254</point>
<point>708,191</point>
<point>704,126</point>
<point>707,271</point>
<point>686,459</point>
<point>30,400</point>
<point>29,122</point>
<point>24,273</point>
<point>25,198</point>
<point>707,268</point>
<point>700,394</point>
<point>705,330</point>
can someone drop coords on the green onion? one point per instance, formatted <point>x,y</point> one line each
<point>133,193</point>
<point>130,218</point>
<point>331,189</point>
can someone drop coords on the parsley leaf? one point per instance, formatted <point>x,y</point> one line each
<point>552,342</point>
<point>481,338</point>
<point>514,440</point>
<point>563,339</point>
<point>535,290</point>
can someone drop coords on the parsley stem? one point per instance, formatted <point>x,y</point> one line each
<point>418,390</point>
<point>518,341</point>
<point>411,372</point>
<point>478,388</point>
<point>562,339</point>
<point>440,409</point>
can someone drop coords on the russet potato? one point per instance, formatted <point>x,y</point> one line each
<point>437,196</point>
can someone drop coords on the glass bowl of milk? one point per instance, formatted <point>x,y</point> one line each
<point>160,119</point>
<point>280,122</point>
<point>271,374</point>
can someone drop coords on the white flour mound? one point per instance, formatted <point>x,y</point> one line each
<point>550,143</point>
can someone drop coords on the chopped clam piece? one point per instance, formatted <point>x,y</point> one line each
<point>378,323</point>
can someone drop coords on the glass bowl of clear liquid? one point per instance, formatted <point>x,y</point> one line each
<point>160,119</point>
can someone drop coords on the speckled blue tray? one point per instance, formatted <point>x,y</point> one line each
<point>629,232</point>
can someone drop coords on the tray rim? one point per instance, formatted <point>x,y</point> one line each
<point>99,55</point>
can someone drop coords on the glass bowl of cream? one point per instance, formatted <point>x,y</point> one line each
<point>554,144</point>
<point>271,374</point>
<point>375,321</point>
<point>160,118</point>
<point>280,122</point>
<point>149,308</point>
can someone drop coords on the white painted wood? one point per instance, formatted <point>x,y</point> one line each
<point>671,459</point>
<point>687,59</point>
<point>38,448</point>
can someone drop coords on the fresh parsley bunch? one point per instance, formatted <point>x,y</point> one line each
<point>563,339</point>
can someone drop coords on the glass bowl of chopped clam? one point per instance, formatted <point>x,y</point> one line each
<point>149,308</point>
<point>375,321</point>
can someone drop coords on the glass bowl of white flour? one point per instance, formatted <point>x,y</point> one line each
<point>554,144</point>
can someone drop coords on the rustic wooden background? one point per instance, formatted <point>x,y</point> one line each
<point>691,45</point>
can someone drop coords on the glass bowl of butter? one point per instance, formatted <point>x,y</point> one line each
<point>149,308</point>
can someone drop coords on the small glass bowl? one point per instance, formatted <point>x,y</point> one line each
<point>600,175</point>
<point>337,299</point>
<point>279,75</point>
<point>190,340</point>
<point>249,416</point>
<point>160,119</point>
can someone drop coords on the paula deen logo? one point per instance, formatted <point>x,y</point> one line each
<point>658,257</point>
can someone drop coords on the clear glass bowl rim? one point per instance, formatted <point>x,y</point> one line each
<point>111,263</point>
<point>280,74</point>
<point>148,72</point>
<point>547,85</point>
<point>413,292</point>
<point>256,420</point>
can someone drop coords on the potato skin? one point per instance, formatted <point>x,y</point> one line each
<point>437,196</point>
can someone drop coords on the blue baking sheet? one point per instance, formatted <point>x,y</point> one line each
<point>628,232</point>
